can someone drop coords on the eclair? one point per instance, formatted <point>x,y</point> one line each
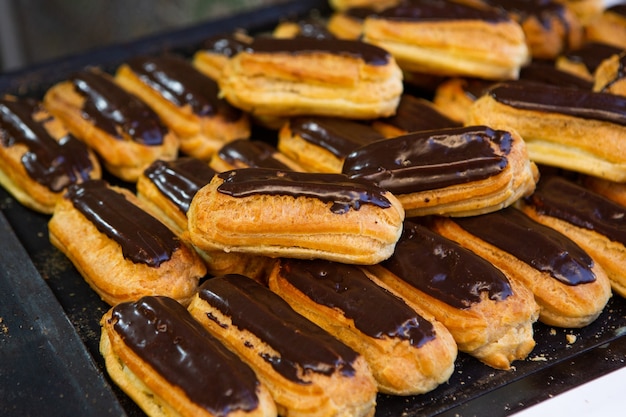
<point>594,222</point>
<point>242,153</point>
<point>39,159</point>
<point>454,171</point>
<point>454,96</point>
<point>308,371</point>
<point>296,214</point>
<point>121,129</point>
<point>608,26</point>
<point>171,366</point>
<point>490,316</point>
<point>120,250</point>
<point>212,56</point>
<point>307,76</point>
<point>408,352</point>
<point>569,286</point>
<point>187,101</point>
<point>569,128</point>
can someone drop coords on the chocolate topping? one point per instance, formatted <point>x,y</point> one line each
<point>227,45</point>
<point>619,9</point>
<point>592,54</point>
<point>444,270</point>
<point>313,28</point>
<point>179,82</point>
<point>568,201</point>
<point>431,159</point>
<point>542,11</point>
<point>414,115</point>
<point>52,164</point>
<point>164,335</point>
<point>546,72</point>
<point>434,10</point>
<point>620,72</point>
<point>113,109</point>
<point>537,245</point>
<point>180,180</point>
<point>143,238</point>
<point>338,136</point>
<point>375,311</point>
<point>251,153</point>
<point>343,192</point>
<point>302,346</point>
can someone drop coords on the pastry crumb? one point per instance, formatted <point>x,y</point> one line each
<point>571,339</point>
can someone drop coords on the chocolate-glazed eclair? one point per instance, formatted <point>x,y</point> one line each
<point>126,133</point>
<point>408,352</point>
<point>454,171</point>
<point>569,128</point>
<point>569,286</point>
<point>591,220</point>
<point>187,101</point>
<point>120,250</point>
<point>214,53</point>
<point>243,153</point>
<point>584,61</point>
<point>308,371</point>
<point>307,76</point>
<point>171,366</point>
<point>39,159</point>
<point>296,214</point>
<point>321,144</point>
<point>489,315</point>
<point>435,37</point>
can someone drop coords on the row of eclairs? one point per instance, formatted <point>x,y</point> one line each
<point>412,196</point>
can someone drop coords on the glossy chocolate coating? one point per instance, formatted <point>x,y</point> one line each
<point>375,311</point>
<point>180,180</point>
<point>313,28</point>
<point>227,45</point>
<point>546,72</point>
<point>143,238</point>
<point>301,344</point>
<point>444,270</point>
<point>543,11</point>
<point>537,245</point>
<point>620,72</point>
<point>180,83</point>
<point>111,108</point>
<point>414,115</point>
<point>434,10</point>
<point>251,153</point>
<point>592,54</point>
<point>164,335</point>
<point>568,201</point>
<point>344,194</point>
<point>431,159</point>
<point>52,164</point>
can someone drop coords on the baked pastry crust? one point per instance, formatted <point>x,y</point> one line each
<point>608,25</point>
<point>609,76</point>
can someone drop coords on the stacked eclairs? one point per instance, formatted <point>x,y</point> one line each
<point>395,218</point>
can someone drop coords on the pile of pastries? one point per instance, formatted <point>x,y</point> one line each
<point>440,175</point>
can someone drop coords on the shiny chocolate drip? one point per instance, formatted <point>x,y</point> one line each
<point>165,336</point>
<point>52,164</point>
<point>592,54</point>
<point>337,136</point>
<point>568,201</point>
<point>226,45</point>
<point>254,154</point>
<point>537,245</point>
<point>143,238</point>
<point>431,159</point>
<point>414,115</point>
<point>302,346</point>
<point>546,72</point>
<point>375,311</point>
<point>180,180</point>
<point>343,192</point>
<point>180,83</point>
<point>444,270</point>
<point>111,108</point>
<point>435,10</point>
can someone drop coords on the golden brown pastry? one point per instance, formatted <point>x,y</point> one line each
<point>171,366</point>
<point>39,159</point>
<point>295,214</point>
<point>308,372</point>
<point>490,316</point>
<point>375,4</point>
<point>348,23</point>
<point>408,352</point>
<point>453,171</point>
<point>120,250</point>
<point>251,154</point>
<point>609,26</point>
<point>609,76</point>
<point>584,61</point>
<point>214,53</point>
<point>615,191</point>
<point>310,27</point>
<point>569,286</point>
<point>455,96</point>
<point>586,10</point>
<point>120,128</point>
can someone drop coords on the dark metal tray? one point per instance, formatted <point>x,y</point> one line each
<point>49,317</point>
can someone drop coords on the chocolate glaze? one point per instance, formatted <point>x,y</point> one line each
<point>568,201</point>
<point>111,108</point>
<point>554,99</point>
<point>227,45</point>
<point>434,10</point>
<point>414,115</point>
<point>592,54</point>
<point>546,72</point>
<point>180,180</point>
<point>143,238</point>
<point>252,153</point>
<point>180,83</point>
<point>302,346</point>
<point>343,192</point>
<point>537,245</point>
<point>52,164</point>
<point>543,11</point>
<point>359,13</point>
<point>338,136</point>
<point>444,270</point>
<point>164,335</point>
<point>431,159</point>
<point>619,73</point>
<point>619,9</point>
<point>375,311</point>
<point>474,88</point>
<point>313,28</point>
